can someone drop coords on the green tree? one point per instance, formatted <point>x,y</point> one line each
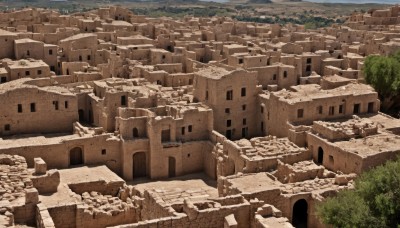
<point>375,201</point>
<point>383,73</point>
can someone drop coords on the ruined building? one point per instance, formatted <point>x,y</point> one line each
<point>111,119</point>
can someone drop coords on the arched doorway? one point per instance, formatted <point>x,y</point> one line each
<point>300,215</point>
<point>139,165</point>
<point>320,155</point>
<point>171,166</point>
<point>135,133</point>
<point>76,156</point>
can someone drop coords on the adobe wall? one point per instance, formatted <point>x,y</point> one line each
<point>56,155</point>
<point>64,216</point>
<point>334,158</point>
<point>45,118</point>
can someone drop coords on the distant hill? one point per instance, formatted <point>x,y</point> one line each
<point>260,1</point>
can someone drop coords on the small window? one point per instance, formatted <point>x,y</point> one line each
<point>7,127</point>
<point>243,107</point>
<point>308,60</point>
<point>50,52</point>
<point>3,80</point>
<point>320,109</point>
<point>163,56</point>
<point>103,151</point>
<point>206,95</point>
<point>33,107</point>
<point>27,73</point>
<point>331,161</point>
<point>19,108</point>
<point>300,113</point>
<point>183,130</point>
<point>28,52</point>
<point>274,77</point>
<point>88,57</point>
<point>244,121</point>
<point>55,103</point>
<point>331,110</point>
<point>80,58</point>
<point>285,74</point>
<point>262,126</point>
<point>190,128</point>
<point>243,92</point>
<point>229,95</point>
<point>340,109</point>
<point>66,104</point>
<point>240,61</point>
<point>229,123</point>
<point>123,100</point>
<point>39,72</point>
<point>262,109</point>
<point>227,110</point>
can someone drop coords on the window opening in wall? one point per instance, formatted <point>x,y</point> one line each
<point>262,109</point>
<point>3,80</point>
<point>274,77</point>
<point>50,52</point>
<point>262,126</point>
<point>331,161</point>
<point>7,127</point>
<point>331,110</point>
<point>285,74</point>
<point>19,108</point>
<point>28,52</point>
<point>166,135</point>
<point>243,92</point>
<point>229,95</point>
<point>308,60</point>
<point>243,107</point>
<point>27,73</point>
<point>229,123</point>
<point>320,109</point>
<point>340,109</point>
<point>183,130</point>
<point>244,121</point>
<point>158,82</point>
<point>55,103</point>
<point>356,109</point>
<point>33,107</point>
<point>39,72</point>
<point>240,61</point>
<point>206,94</point>
<point>80,58</point>
<point>66,104</point>
<point>123,100</point>
<point>103,151</point>
<point>89,57</point>
<point>190,128</point>
<point>227,111</point>
<point>300,113</point>
<point>135,133</point>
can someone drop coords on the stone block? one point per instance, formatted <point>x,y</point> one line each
<point>40,166</point>
<point>31,195</point>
